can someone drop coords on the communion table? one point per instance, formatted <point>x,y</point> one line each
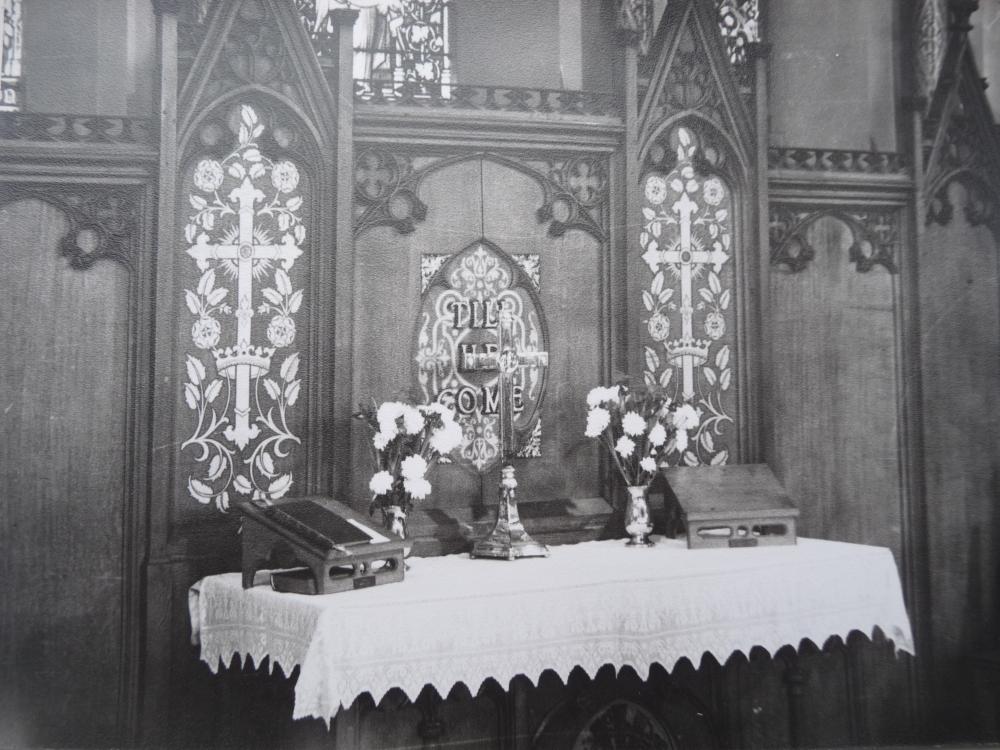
<point>454,619</point>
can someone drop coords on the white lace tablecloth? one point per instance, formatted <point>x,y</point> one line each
<point>455,619</point>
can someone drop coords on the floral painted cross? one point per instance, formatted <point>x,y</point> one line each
<point>244,364</point>
<point>686,255</point>
<point>246,230</point>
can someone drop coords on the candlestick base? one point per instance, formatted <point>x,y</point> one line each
<point>508,540</point>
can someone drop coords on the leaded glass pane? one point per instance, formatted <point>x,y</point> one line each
<point>397,43</point>
<point>738,21</point>
<point>11,93</point>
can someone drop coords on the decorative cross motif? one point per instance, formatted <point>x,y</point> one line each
<point>686,254</point>
<point>246,362</point>
<point>508,540</point>
<point>506,361</point>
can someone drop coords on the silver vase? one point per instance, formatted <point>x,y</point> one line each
<point>637,523</point>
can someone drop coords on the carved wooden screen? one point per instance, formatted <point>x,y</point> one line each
<point>256,158</point>
<point>477,230</point>
<point>692,259</point>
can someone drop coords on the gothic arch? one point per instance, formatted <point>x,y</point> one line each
<point>982,202</point>
<point>875,236</point>
<point>101,224</point>
<point>731,165</point>
<point>397,202</point>
<point>311,151</point>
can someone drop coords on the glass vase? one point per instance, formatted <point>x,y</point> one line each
<point>394,520</point>
<point>637,522</point>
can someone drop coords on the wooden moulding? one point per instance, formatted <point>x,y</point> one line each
<point>731,506</point>
<point>318,538</point>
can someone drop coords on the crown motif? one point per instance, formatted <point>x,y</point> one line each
<point>257,357</point>
<point>697,349</point>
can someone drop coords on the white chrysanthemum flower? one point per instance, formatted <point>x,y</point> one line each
<point>381,440</point>
<point>413,467</point>
<point>598,420</point>
<point>648,464</point>
<point>413,420</point>
<point>446,438</point>
<point>418,487</point>
<point>633,424</point>
<point>381,483</point>
<point>625,446</point>
<point>686,417</point>
<point>595,397</point>
<point>658,435</point>
<point>387,415</point>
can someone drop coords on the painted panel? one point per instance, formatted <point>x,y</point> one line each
<point>244,231</point>
<point>63,473</point>
<point>688,311</point>
<point>462,297</point>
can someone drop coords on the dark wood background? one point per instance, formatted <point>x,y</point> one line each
<point>868,323</point>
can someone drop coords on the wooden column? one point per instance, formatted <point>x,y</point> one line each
<point>915,548</point>
<point>339,479</point>
<point>759,442</point>
<point>154,726</point>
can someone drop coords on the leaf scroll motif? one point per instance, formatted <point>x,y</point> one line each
<point>244,449</point>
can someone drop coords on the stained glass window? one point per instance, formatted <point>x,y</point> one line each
<point>738,20</point>
<point>397,43</point>
<point>11,94</point>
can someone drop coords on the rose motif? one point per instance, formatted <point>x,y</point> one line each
<point>285,176</point>
<point>713,191</point>
<point>656,190</point>
<point>715,325</point>
<point>205,332</point>
<point>208,175</point>
<point>659,327</point>
<point>281,330</point>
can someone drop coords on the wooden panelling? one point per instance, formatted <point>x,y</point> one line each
<point>834,393</point>
<point>468,200</point>
<point>571,282</point>
<point>960,321</point>
<point>63,471</point>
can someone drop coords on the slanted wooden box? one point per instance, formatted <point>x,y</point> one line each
<point>731,506</point>
<point>334,548</point>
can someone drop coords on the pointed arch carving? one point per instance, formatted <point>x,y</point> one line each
<point>964,142</point>
<point>875,235</point>
<point>690,74</point>
<point>261,46</point>
<point>102,222</point>
<point>387,188</point>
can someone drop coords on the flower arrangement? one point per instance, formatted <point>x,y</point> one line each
<point>639,428</point>
<point>406,442</point>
